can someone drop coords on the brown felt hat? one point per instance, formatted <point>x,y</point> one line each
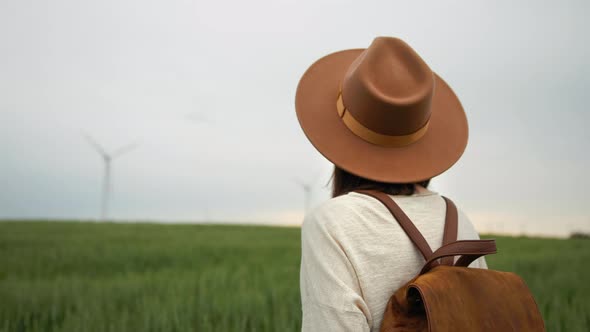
<point>381,113</point>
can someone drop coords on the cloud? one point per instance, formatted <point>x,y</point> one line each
<point>129,70</point>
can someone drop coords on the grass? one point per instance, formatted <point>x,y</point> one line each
<point>68,276</point>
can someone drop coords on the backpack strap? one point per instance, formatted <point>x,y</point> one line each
<point>450,231</point>
<point>403,220</point>
<point>469,250</point>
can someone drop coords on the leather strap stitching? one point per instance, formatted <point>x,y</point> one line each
<point>451,226</point>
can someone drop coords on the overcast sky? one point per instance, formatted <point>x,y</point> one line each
<point>207,90</point>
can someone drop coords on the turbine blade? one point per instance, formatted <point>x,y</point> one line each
<point>95,145</point>
<point>121,151</point>
<point>306,186</point>
<point>298,182</point>
<point>315,178</point>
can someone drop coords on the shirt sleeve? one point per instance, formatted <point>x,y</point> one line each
<point>331,297</point>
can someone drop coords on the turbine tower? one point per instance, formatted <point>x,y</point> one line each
<point>307,190</point>
<point>107,159</point>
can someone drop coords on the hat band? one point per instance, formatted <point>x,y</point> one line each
<point>373,137</point>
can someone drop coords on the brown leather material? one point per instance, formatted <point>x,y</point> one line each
<point>390,90</point>
<point>444,298</point>
<point>473,249</point>
<point>404,221</point>
<point>451,227</point>
<point>452,298</point>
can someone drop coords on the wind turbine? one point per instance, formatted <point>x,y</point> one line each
<point>307,191</point>
<point>107,159</point>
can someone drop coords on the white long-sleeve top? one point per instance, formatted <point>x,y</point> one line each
<point>355,256</point>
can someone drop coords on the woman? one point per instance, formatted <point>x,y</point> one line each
<point>387,123</point>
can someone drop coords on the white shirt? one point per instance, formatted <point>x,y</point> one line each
<point>355,256</point>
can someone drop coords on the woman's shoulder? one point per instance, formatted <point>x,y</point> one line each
<point>343,204</point>
<point>350,201</point>
<point>351,207</point>
<point>337,210</point>
<point>355,201</point>
<point>356,208</point>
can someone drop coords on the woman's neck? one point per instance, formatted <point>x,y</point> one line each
<point>421,190</point>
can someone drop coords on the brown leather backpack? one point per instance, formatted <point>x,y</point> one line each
<point>447,295</point>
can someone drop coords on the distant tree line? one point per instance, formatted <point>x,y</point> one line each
<point>580,235</point>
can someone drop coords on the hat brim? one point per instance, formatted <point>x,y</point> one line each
<point>440,147</point>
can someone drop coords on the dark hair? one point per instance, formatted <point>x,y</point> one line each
<point>344,182</point>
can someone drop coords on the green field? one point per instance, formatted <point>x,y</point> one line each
<point>68,276</point>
